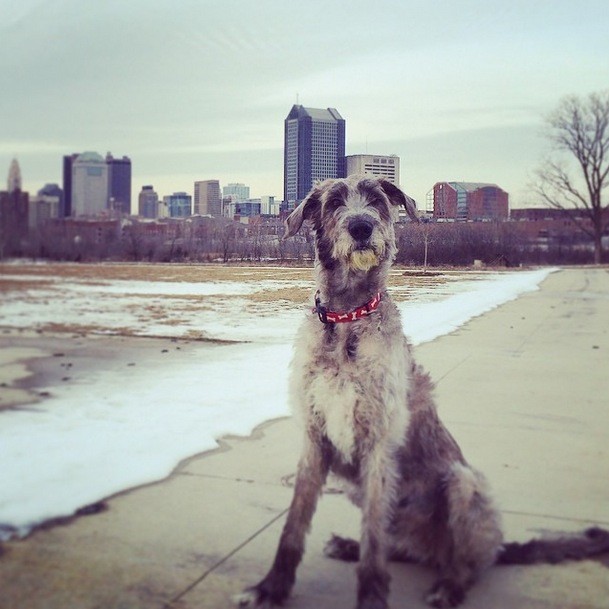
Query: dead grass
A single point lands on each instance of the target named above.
(35, 277)
(293, 295)
(155, 272)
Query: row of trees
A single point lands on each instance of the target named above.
(423, 244)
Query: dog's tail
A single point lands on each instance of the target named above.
(579, 546)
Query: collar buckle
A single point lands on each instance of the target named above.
(321, 311)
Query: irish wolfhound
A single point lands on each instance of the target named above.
(369, 417)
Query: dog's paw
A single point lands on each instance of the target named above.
(248, 598)
(342, 548)
(270, 592)
(445, 593)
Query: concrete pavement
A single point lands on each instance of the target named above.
(524, 389)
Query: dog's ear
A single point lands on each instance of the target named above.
(307, 210)
(397, 197)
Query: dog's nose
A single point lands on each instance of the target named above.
(360, 228)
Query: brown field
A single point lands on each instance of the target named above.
(43, 276)
(33, 289)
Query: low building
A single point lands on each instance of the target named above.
(473, 201)
(46, 205)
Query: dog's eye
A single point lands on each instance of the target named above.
(334, 204)
(379, 205)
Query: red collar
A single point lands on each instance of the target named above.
(334, 317)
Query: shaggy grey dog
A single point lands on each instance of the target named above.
(368, 414)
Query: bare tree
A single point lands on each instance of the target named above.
(579, 129)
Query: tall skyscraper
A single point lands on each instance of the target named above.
(119, 183)
(68, 161)
(14, 213)
(207, 200)
(89, 184)
(14, 177)
(375, 165)
(314, 149)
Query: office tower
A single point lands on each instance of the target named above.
(375, 165)
(314, 149)
(239, 192)
(68, 161)
(14, 213)
(89, 184)
(178, 204)
(14, 177)
(148, 203)
(207, 200)
(119, 183)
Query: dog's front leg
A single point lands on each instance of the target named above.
(378, 486)
(310, 477)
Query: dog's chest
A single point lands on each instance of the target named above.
(355, 388)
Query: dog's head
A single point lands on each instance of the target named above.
(353, 220)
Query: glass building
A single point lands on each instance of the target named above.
(314, 149)
(119, 183)
(179, 205)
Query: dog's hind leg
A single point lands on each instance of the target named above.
(472, 536)
(347, 550)
(310, 477)
(342, 548)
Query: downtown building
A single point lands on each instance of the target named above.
(177, 205)
(207, 199)
(119, 184)
(94, 185)
(237, 191)
(314, 150)
(148, 202)
(375, 166)
(14, 213)
(469, 201)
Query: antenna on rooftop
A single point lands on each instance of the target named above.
(297, 102)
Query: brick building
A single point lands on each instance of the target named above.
(469, 201)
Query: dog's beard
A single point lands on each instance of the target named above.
(363, 260)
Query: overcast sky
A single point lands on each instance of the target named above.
(199, 89)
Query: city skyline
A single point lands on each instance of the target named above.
(457, 90)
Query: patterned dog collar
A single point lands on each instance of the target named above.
(335, 317)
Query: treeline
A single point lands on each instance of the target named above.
(493, 243)
(433, 244)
